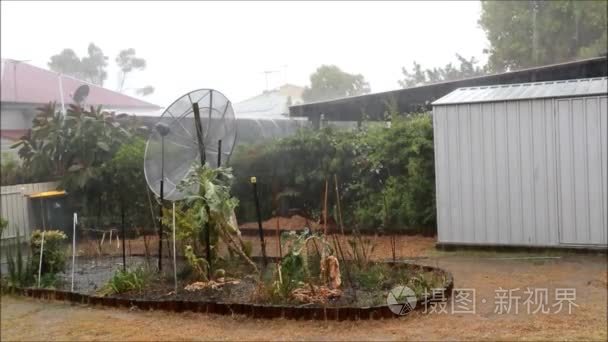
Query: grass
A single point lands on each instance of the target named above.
(125, 281)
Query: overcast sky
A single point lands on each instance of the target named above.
(228, 45)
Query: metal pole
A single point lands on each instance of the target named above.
(257, 209)
(160, 208)
(74, 248)
(219, 153)
(40, 262)
(201, 150)
(174, 256)
(124, 237)
(61, 94)
(199, 132)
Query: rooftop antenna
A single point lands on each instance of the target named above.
(268, 72)
(198, 127)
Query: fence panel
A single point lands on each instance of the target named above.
(15, 206)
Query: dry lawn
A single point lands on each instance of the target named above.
(28, 319)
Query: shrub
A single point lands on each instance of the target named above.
(54, 254)
(125, 281)
(386, 174)
(20, 270)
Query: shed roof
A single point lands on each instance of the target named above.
(523, 91)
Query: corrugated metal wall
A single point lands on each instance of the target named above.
(16, 209)
(527, 172)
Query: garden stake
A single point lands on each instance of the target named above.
(343, 261)
(124, 235)
(163, 130)
(279, 239)
(325, 209)
(219, 153)
(201, 151)
(73, 248)
(174, 256)
(257, 210)
(338, 204)
(40, 263)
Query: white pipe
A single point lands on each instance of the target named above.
(40, 263)
(74, 248)
(61, 94)
(174, 256)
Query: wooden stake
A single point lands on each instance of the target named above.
(338, 204)
(279, 236)
(325, 208)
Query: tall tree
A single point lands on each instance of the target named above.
(94, 65)
(329, 82)
(90, 68)
(529, 33)
(466, 68)
(128, 62)
(66, 62)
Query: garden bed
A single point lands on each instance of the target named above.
(361, 301)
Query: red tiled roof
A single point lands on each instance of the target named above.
(40, 86)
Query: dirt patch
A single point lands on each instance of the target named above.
(295, 222)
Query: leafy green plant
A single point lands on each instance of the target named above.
(77, 149)
(125, 281)
(208, 209)
(198, 265)
(296, 265)
(20, 270)
(54, 252)
(370, 278)
(3, 225)
(386, 174)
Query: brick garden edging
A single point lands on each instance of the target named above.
(250, 310)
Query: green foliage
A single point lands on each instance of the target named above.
(12, 172)
(372, 277)
(20, 271)
(209, 206)
(96, 156)
(329, 82)
(198, 265)
(467, 68)
(54, 251)
(3, 225)
(127, 184)
(128, 62)
(125, 281)
(528, 33)
(386, 175)
(296, 265)
(90, 68)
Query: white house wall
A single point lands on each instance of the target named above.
(498, 173)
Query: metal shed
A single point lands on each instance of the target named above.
(523, 164)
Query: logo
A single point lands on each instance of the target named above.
(401, 300)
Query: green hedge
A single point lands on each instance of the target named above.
(386, 174)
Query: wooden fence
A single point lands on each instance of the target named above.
(16, 208)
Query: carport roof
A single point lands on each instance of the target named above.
(522, 91)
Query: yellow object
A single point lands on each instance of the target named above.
(49, 194)
(253, 180)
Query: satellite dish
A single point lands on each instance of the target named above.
(173, 146)
(81, 94)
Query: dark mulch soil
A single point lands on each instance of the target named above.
(247, 290)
